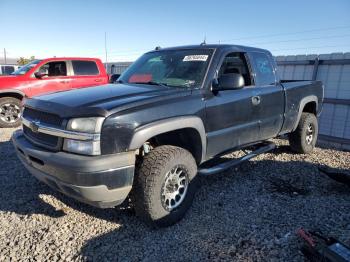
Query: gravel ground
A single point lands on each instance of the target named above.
(250, 213)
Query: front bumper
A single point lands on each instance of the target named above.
(102, 181)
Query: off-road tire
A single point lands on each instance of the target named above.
(298, 138)
(150, 179)
(12, 101)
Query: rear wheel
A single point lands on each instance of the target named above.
(303, 139)
(10, 112)
(165, 185)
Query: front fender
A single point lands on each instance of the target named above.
(144, 133)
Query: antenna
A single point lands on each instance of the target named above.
(5, 56)
(204, 40)
(106, 49)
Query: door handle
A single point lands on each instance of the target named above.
(256, 100)
(64, 82)
(98, 80)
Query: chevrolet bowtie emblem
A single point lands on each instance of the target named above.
(34, 125)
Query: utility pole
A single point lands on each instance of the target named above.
(106, 50)
(5, 56)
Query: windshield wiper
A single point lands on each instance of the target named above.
(151, 83)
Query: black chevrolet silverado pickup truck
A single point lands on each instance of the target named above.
(166, 120)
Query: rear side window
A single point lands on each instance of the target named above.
(7, 70)
(85, 68)
(265, 74)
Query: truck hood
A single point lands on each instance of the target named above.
(103, 100)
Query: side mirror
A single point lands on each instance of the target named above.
(228, 82)
(114, 78)
(39, 75)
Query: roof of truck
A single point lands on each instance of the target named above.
(239, 48)
(71, 58)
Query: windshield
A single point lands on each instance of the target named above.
(175, 68)
(24, 69)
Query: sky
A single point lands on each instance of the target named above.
(78, 28)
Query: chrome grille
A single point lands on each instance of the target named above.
(38, 138)
(41, 138)
(43, 117)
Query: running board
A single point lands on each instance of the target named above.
(268, 146)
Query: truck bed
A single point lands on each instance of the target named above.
(295, 91)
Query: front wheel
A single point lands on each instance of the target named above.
(303, 139)
(10, 112)
(165, 185)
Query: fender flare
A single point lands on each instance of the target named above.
(144, 133)
(303, 102)
(13, 91)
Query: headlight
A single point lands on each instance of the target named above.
(86, 125)
(82, 147)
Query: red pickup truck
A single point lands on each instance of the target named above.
(46, 76)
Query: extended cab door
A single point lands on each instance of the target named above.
(54, 78)
(269, 95)
(232, 118)
(86, 73)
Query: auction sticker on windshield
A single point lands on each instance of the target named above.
(195, 58)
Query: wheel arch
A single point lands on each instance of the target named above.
(12, 93)
(308, 104)
(187, 131)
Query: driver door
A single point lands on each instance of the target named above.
(232, 118)
(54, 78)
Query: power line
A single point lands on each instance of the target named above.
(301, 39)
(307, 47)
(293, 33)
(119, 53)
(136, 52)
(114, 54)
(270, 42)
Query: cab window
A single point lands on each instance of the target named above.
(236, 63)
(265, 74)
(51, 69)
(82, 68)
